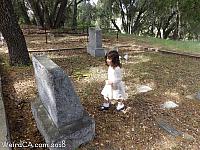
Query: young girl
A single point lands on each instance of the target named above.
(114, 87)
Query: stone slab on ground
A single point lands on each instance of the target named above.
(195, 55)
(168, 128)
(143, 88)
(195, 96)
(68, 137)
(172, 131)
(4, 132)
(169, 105)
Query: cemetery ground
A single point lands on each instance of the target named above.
(140, 126)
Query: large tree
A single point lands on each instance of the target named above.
(51, 13)
(13, 35)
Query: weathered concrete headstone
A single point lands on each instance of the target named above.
(59, 115)
(4, 130)
(1, 38)
(94, 47)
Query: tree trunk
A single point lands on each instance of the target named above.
(137, 22)
(168, 21)
(37, 10)
(115, 25)
(176, 33)
(60, 18)
(169, 30)
(125, 26)
(13, 35)
(158, 35)
(53, 13)
(75, 12)
(24, 12)
(74, 18)
(47, 21)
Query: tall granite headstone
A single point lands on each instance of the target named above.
(58, 112)
(1, 38)
(94, 47)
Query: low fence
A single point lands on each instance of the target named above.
(80, 31)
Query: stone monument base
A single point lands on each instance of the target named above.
(67, 137)
(96, 52)
(197, 96)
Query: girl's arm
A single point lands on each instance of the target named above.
(117, 76)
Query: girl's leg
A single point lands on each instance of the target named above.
(106, 102)
(120, 105)
(105, 105)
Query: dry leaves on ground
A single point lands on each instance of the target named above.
(171, 77)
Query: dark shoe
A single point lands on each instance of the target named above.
(102, 108)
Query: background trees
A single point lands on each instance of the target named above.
(175, 19)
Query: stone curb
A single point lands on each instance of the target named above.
(4, 131)
(194, 55)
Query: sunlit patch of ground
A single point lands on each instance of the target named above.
(54, 42)
(173, 96)
(25, 88)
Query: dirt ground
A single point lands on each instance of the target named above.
(171, 77)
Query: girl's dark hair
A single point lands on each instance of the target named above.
(114, 56)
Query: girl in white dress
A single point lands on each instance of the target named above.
(114, 87)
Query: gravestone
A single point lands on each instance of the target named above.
(168, 128)
(169, 105)
(143, 88)
(198, 96)
(59, 114)
(1, 38)
(94, 47)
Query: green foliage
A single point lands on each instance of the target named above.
(86, 15)
(177, 19)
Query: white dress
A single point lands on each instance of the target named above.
(117, 89)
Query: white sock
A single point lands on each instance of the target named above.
(120, 106)
(106, 104)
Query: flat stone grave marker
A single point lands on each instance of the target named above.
(172, 131)
(59, 114)
(168, 128)
(195, 96)
(169, 105)
(143, 88)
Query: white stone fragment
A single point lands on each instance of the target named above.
(143, 88)
(169, 104)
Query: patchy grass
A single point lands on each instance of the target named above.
(172, 78)
(184, 46)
